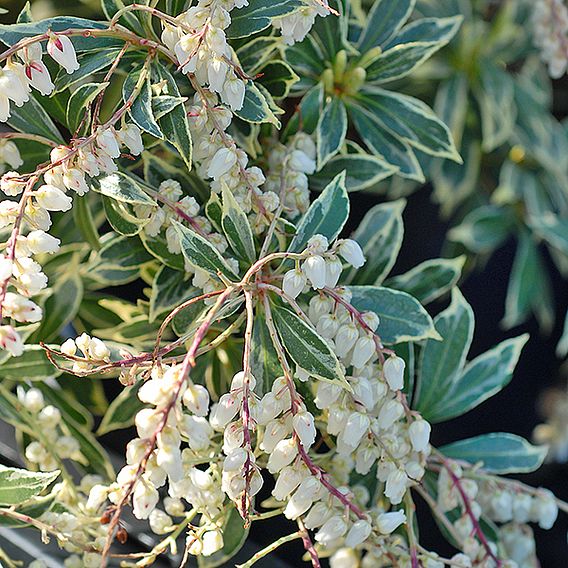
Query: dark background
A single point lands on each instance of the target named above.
(513, 410)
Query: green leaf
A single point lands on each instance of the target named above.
(429, 280)
(264, 359)
(89, 63)
(164, 104)
(307, 113)
(141, 110)
(528, 282)
(13, 33)
(402, 318)
(128, 19)
(174, 125)
(199, 252)
(32, 365)
(158, 247)
(484, 229)
(331, 130)
(122, 187)
(381, 142)
(121, 411)
(277, 78)
(122, 252)
(361, 171)
(256, 108)
(236, 227)
(234, 537)
(553, 229)
(441, 362)
(401, 60)
(25, 16)
(61, 306)
(384, 20)
(326, 216)
(306, 348)
(498, 452)
(330, 33)
(427, 29)
(496, 97)
(410, 120)
(31, 118)
(562, 347)
(20, 485)
(380, 235)
(258, 15)
(83, 217)
(79, 102)
(482, 378)
(169, 289)
(121, 218)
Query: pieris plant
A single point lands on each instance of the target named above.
(269, 364)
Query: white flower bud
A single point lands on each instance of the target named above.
(358, 533)
(144, 499)
(224, 411)
(545, 509)
(389, 522)
(282, 455)
(331, 530)
(49, 416)
(33, 400)
(363, 351)
(327, 394)
(302, 498)
(305, 429)
(212, 542)
(396, 486)
(288, 479)
(419, 433)
(393, 371)
(107, 142)
(346, 558)
(293, 283)
(333, 271)
(314, 269)
(62, 51)
(345, 339)
(223, 160)
(41, 242)
(356, 427)
(390, 412)
(196, 399)
(53, 199)
(11, 185)
(351, 252)
(522, 505)
(301, 162)
(131, 137)
(160, 522)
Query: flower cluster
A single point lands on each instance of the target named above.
(550, 28)
(57, 441)
(174, 437)
(296, 26)
(201, 48)
(511, 505)
(67, 171)
(17, 78)
(289, 167)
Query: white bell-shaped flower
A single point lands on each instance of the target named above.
(389, 522)
(61, 50)
(393, 371)
(358, 533)
(293, 283)
(351, 252)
